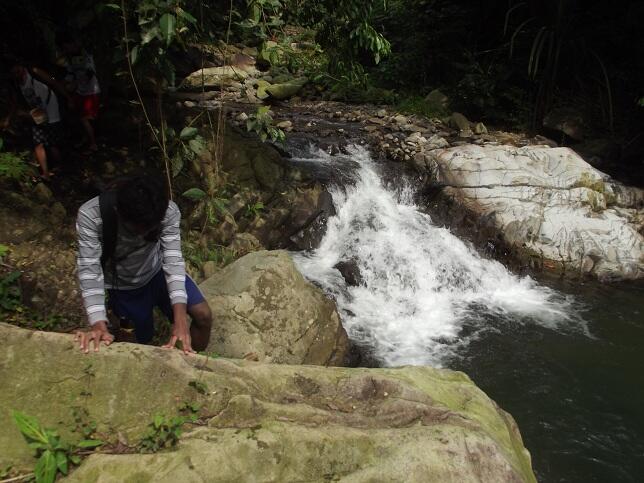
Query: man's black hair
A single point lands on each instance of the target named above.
(142, 200)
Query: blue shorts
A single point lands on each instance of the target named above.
(137, 305)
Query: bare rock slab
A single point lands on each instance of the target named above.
(260, 422)
(263, 305)
(550, 202)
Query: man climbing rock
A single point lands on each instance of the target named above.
(129, 242)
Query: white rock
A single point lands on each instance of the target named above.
(552, 202)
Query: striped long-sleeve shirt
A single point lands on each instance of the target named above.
(139, 260)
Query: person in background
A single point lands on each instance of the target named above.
(43, 110)
(129, 243)
(82, 83)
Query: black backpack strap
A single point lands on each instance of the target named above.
(107, 205)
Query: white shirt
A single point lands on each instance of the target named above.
(37, 94)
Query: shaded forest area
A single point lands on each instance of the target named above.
(569, 69)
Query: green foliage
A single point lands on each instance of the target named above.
(184, 148)
(211, 354)
(196, 254)
(49, 322)
(194, 194)
(83, 425)
(253, 209)
(418, 105)
(486, 91)
(163, 433)
(14, 166)
(345, 30)
(10, 293)
(157, 28)
(198, 386)
(54, 455)
(191, 409)
(264, 18)
(261, 122)
(350, 89)
(549, 42)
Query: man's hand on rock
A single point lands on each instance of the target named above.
(97, 334)
(180, 332)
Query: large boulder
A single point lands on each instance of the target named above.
(214, 77)
(547, 203)
(257, 422)
(263, 306)
(297, 220)
(252, 163)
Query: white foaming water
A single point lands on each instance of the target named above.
(421, 284)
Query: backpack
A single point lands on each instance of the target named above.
(107, 206)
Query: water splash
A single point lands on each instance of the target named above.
(423, 289)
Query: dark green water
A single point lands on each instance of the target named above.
(578, 400)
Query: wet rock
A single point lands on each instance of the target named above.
(350, 271)
(307, 221)
(381, 113)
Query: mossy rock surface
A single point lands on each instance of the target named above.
(262, 304)
(263, 422)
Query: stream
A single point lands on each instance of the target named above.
(564, 359)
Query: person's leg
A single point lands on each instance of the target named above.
(201, 325)
(89, 132)
(55, 153)
(135, 306)
(201, 315)
(41, 156)
(198, 309)
(89, 111)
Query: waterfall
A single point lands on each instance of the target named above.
(424, 293)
